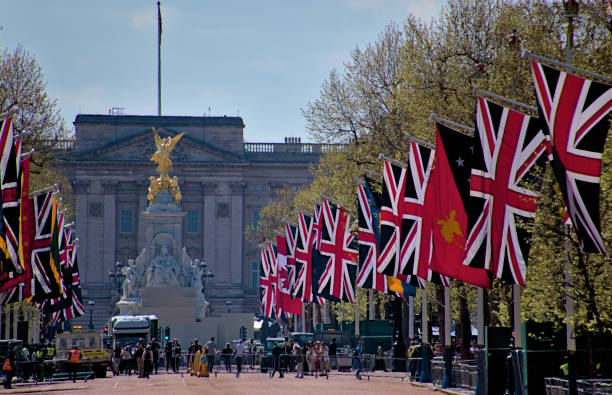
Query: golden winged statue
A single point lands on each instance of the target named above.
(164, 165)
(162, 155)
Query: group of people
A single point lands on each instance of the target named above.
(313, 357)
(142, 358)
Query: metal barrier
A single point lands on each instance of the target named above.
(560, 386)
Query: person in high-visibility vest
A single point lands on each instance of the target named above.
(9, 369)
(74, 358)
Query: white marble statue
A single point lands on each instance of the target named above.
(163, 271)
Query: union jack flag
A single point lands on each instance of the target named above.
(337, 244)
(391, 209)
(369, 238)
(268, 282)
(10, 174)
(417, 218)
(46, 281)
(577, 113)
(303, 258)
(285, 277)
(70, 305)
(507, 145)
(21, 282)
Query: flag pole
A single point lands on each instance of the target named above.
(411, 317)
(370, 304)
(447, 380)
(571, 12)
(159, 33)
(480, 316)
(425, 371)
(453, 125)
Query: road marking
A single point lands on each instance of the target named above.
(116, 384)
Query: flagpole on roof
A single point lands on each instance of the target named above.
(159, 34)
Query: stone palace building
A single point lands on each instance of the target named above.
(224, 182)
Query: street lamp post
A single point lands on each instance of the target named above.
(91, 304)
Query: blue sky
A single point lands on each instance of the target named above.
(262, 60)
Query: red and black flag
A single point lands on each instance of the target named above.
(577, 113)
(509, 147)
(447, 199)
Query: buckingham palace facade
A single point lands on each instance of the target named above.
(224, 183)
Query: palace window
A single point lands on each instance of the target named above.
(193, 221)
(255, 219)
(255, 276)
(126, 221)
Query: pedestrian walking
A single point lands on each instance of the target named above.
(74, 358)
(226, 355)
(176, 355)
(139, 354)
(333, 350)
(357, 354)
(212, 350)
(155, 349)
(148, 362)
(126, 356)
(239, 352)
(168, 356)
(299, 361)
(117, 351)
(379, 364)
(311, 359)
(277, 351)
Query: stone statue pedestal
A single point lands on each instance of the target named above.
(129, 307)
(176, 305)
(162, 224)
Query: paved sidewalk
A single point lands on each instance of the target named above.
(247, 384)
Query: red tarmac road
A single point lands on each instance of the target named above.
(247, 384)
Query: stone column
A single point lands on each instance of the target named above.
(80, 189)
(209, 231)
(236, 269)
(110, 226)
